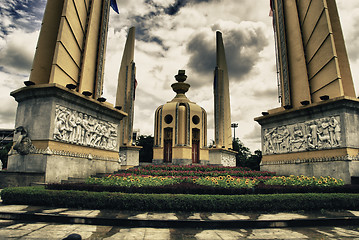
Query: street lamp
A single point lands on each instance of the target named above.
(234, 126)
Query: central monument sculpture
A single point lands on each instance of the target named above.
(180, 129)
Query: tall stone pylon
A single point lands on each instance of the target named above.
(313, 132)
(222, 109)
(126, 89)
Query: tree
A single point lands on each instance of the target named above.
(4, 149)
(146, 142)
(244, 158)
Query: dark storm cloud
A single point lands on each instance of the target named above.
(14, 57)
(154, 19)
(145, 23)
(203, 54)
(242, 48)
(21, 14)
(176, 7)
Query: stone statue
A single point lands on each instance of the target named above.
(23, 144)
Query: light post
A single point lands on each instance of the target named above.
(234, 126)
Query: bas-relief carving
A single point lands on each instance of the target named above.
(79, 128)
(228, 160)
(323, 133)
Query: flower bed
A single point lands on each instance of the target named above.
(304, 181)
(196, 171)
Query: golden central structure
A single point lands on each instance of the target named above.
(315, 132)
(180, 129)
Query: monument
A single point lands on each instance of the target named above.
(64, 127)
(315, 131)
(125, 97)
(222, 152)
(180, 129)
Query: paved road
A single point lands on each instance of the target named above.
(36, 222)
(27, 230)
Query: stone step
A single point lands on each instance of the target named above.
(33, 184)
(74, 180)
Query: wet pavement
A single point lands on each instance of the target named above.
(36, 222)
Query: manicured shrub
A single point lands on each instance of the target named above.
(194, 188)
(179, 202)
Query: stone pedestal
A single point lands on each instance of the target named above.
(224, 157)
(62, 134)
(320, 139)
(130, 156)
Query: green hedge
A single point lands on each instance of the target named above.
(179, 202)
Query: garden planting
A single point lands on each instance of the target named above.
(194, 188)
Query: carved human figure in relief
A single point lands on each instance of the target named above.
(297, 139)
(72, 125)
(269, 140)
(313, 135)
(324, 136)
(334, 129)
(285, 137)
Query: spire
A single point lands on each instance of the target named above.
(126, 88)
(221, 56)
(222, 109)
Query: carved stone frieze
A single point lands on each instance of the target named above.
(229, 160)
(79, 128)
(322, 133)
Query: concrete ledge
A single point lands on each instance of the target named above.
(17, 179)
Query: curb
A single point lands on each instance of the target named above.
(203, 224)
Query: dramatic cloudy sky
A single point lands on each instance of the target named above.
(173, 35)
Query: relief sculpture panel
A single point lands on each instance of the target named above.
(79, 128)
(322, 133)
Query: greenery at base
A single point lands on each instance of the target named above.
(4, 149)
(146, 142)
(244, 158)
(179, 202)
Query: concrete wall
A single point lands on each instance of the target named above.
(17, 179)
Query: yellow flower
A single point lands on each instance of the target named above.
(232, 179)
(228, 176)
(132, 180)
(220, 178)
(319, 182)
(124, 179)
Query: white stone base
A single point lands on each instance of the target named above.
(226, 158)
(58, 167)
(338, 168)
(130, 156)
